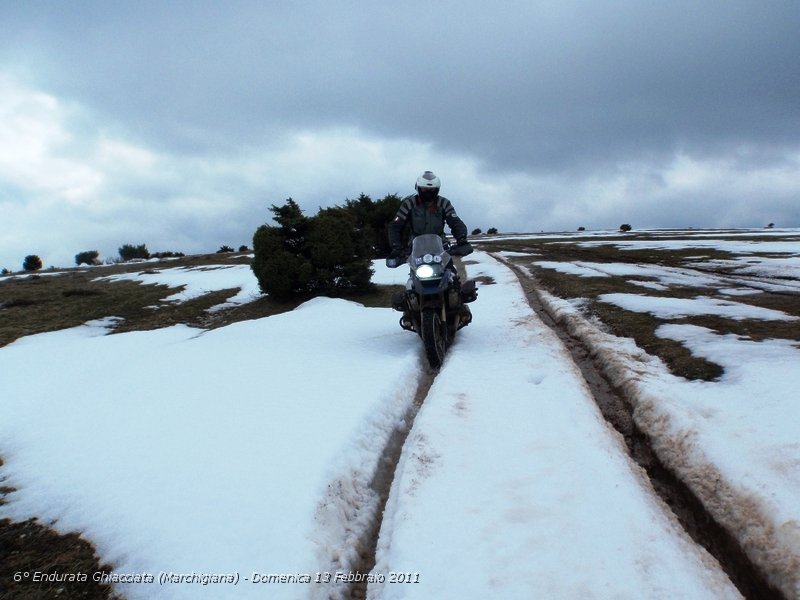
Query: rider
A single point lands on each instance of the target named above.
(427, 212)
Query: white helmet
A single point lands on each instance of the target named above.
(428, 183)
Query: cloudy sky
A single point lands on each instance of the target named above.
(177, 124)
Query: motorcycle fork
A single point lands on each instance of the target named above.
(427, 302)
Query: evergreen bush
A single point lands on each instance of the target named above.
(130, 252)
(89, 257)
(306, 256)
(31, 263)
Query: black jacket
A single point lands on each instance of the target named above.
(425, 217)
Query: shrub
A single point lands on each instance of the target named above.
(5, 272)
(223, 249)
(167, 254)
(477, 231)
(625, 227)
(89, 257)
(278, 264)
(130, 252)
(491, 231)
(340, 252)
(243, 248)
(372, 220)
(302, 256)
(32, 263)
(581, 228)
(383, 214)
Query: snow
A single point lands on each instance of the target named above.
(512, 486)
(250, 448)
(734, 442)
(195, 282)
(666, 307)
(773, 273)
(183, 451)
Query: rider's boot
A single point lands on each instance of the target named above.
(399, 301)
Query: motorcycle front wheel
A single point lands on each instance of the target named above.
(433, 337)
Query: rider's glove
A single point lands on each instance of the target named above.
(462, 247)
(396, 252)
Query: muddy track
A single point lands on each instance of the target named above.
(690, 512)
(382, 482)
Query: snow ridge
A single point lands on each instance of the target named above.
(771, 544)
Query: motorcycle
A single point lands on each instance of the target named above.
(433, 303)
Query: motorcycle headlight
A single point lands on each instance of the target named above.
(425, 271)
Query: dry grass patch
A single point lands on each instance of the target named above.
(49, 302)
(642, 328)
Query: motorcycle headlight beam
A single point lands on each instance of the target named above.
(425, 271)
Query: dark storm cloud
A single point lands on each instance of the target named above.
(533, 86)
(166, 116)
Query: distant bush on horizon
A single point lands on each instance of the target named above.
(88, 257)
(31, 263)
(130, 252)
(167, 255)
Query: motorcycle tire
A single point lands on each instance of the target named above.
(434, 337)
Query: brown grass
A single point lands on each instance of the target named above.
(48, 302)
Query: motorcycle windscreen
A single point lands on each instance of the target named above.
(428, 243)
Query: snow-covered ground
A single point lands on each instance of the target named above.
(194, 282)
(735, 442)
(248, 451)
(511, 484)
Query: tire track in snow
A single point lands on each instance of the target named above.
(689, 510)
(384, 476)
(382, 482)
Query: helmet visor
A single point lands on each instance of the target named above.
(428, 193)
